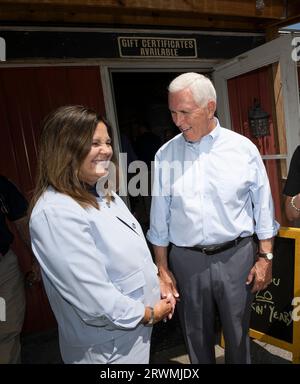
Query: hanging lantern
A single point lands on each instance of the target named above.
(259, 5)
(258, 120)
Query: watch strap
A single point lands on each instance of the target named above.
(151, 319)
(266, 255)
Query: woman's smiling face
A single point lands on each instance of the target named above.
(96, 163)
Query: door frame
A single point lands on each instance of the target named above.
(278, 50)
(135, 65)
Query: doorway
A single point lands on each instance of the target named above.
(145, 123)
(142, 97)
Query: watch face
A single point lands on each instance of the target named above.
(269, 256)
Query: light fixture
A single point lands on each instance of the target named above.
(259, 5)
(258, 120)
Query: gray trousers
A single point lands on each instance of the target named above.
(13, 293)
(211, 284)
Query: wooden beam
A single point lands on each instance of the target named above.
(279, 128)
(292, 16)
(128, 18)
(293, 8)
(273, 27)
(274, 9)
(279, 112)
(271, 33)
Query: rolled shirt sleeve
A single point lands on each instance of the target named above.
(265, 225)
(158, 233)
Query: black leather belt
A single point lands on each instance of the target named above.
(213, 249)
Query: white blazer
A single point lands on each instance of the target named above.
(96, 266)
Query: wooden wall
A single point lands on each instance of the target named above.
(242, 91)
(27, 95)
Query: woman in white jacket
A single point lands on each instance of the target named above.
(96, 267)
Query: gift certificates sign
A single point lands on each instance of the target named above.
(160, 47)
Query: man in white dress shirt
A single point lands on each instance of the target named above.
(208, 208)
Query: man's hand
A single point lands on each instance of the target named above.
(167, 280)
(261, 274)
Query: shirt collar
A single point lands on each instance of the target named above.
(216, 131)
(211, 136)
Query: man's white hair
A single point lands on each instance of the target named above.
(201, 87)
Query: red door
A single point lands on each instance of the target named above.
(27, 95)
(242, 90)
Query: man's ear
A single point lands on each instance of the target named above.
(211, 108)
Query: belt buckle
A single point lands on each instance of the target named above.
(237, 241)
(209, 251)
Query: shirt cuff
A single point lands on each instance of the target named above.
(263, 235)
(155, 240)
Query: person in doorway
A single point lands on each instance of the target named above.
(12, 294)
(146, 144)
(292, 188)
(97, 269)
(211, 194)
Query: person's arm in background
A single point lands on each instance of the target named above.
(292, 188)
(23, 230)
(292, 207)
(22, 226)
(17, 214)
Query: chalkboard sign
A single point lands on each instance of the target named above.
(272, 309)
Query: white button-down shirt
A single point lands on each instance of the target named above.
(218, 189)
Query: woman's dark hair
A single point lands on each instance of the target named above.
(65, 142)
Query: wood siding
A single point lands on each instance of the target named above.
(27, 95)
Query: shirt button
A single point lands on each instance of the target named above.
(133, 226)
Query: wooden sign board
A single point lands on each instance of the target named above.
(157, 47)
(274, 318)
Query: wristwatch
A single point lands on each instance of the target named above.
(151, 320)
(268, 255)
